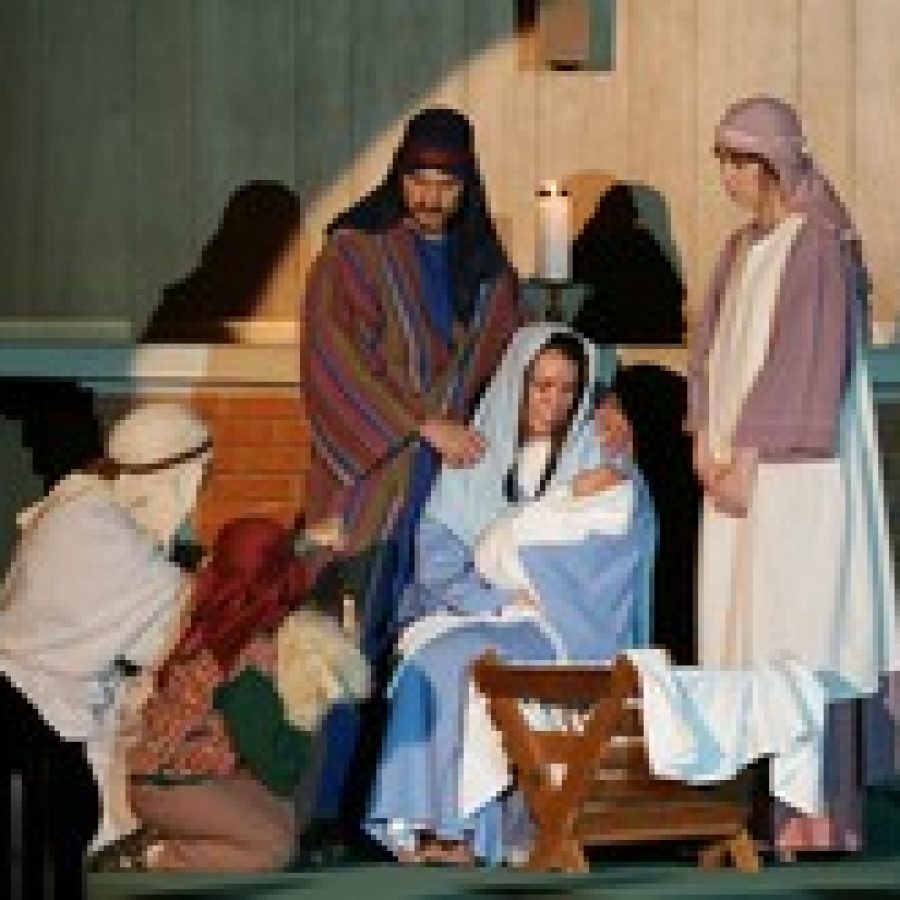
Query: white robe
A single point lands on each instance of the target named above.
(85, 587)
(807, 572)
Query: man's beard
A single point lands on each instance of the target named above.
(435, 221)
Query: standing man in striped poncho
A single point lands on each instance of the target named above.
(408, 310)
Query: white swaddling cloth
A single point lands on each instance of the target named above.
(704, 725)
(557, 518)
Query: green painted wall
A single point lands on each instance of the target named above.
(126, 125)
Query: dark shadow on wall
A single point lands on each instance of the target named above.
(655, 400)
(59, 425)
(626, 257)
(60, 432)
(297, 91)
(257, 225)
(47, 428)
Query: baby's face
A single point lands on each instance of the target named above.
(612, 427)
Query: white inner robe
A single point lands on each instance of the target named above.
(807, 572)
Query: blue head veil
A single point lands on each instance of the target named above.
(466, 500)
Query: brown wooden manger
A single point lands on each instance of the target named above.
(606, 794)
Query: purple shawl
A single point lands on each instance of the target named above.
(792, 410)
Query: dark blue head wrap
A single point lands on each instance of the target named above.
(439, 138)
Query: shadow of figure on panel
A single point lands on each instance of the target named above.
(59, 425)
(625, 257)
(655, 401)
(228, 285)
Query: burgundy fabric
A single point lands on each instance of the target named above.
(435, 158)
(251, 582)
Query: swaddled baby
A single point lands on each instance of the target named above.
(598, 500)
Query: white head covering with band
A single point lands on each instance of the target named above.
(155, 459)
(159, 453)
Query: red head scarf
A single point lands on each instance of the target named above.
(251, 582)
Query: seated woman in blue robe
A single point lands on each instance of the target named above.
(542, 551)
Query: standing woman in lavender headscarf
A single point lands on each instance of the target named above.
(794, 557)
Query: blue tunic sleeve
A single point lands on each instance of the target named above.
(444, 578)
(596, 592)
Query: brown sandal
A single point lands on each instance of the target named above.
(127, 854)
(447, 853)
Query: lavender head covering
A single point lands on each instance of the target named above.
(771, 128)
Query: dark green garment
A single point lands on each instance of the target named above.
(269, 747)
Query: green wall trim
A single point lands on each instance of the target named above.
(245, 365)
(152, 364)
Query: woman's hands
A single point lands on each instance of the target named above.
(524, 599)
(459, 445)
(593, 481)
(728, 483)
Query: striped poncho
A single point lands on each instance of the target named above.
(376, 367)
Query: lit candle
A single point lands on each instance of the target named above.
(554, 245)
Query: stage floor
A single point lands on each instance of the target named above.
(663, 871)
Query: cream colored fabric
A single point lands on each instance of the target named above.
(807, 571)
(64, 491)
(744, 328)
(317, 665)
(159, 501)
(86, 587)
(155, 431)
(90, 582)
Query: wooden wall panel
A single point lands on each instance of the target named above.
(582, 131)
(85, 234)
(246, 100)
(828, 87)
(127, 125)
(324, 139)
(323, 144)
(166, 230)
(662, 130)
(742, 49)
(876, 142)
(21, 34)
(502, 103)
(406, 54)
(582, 127)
